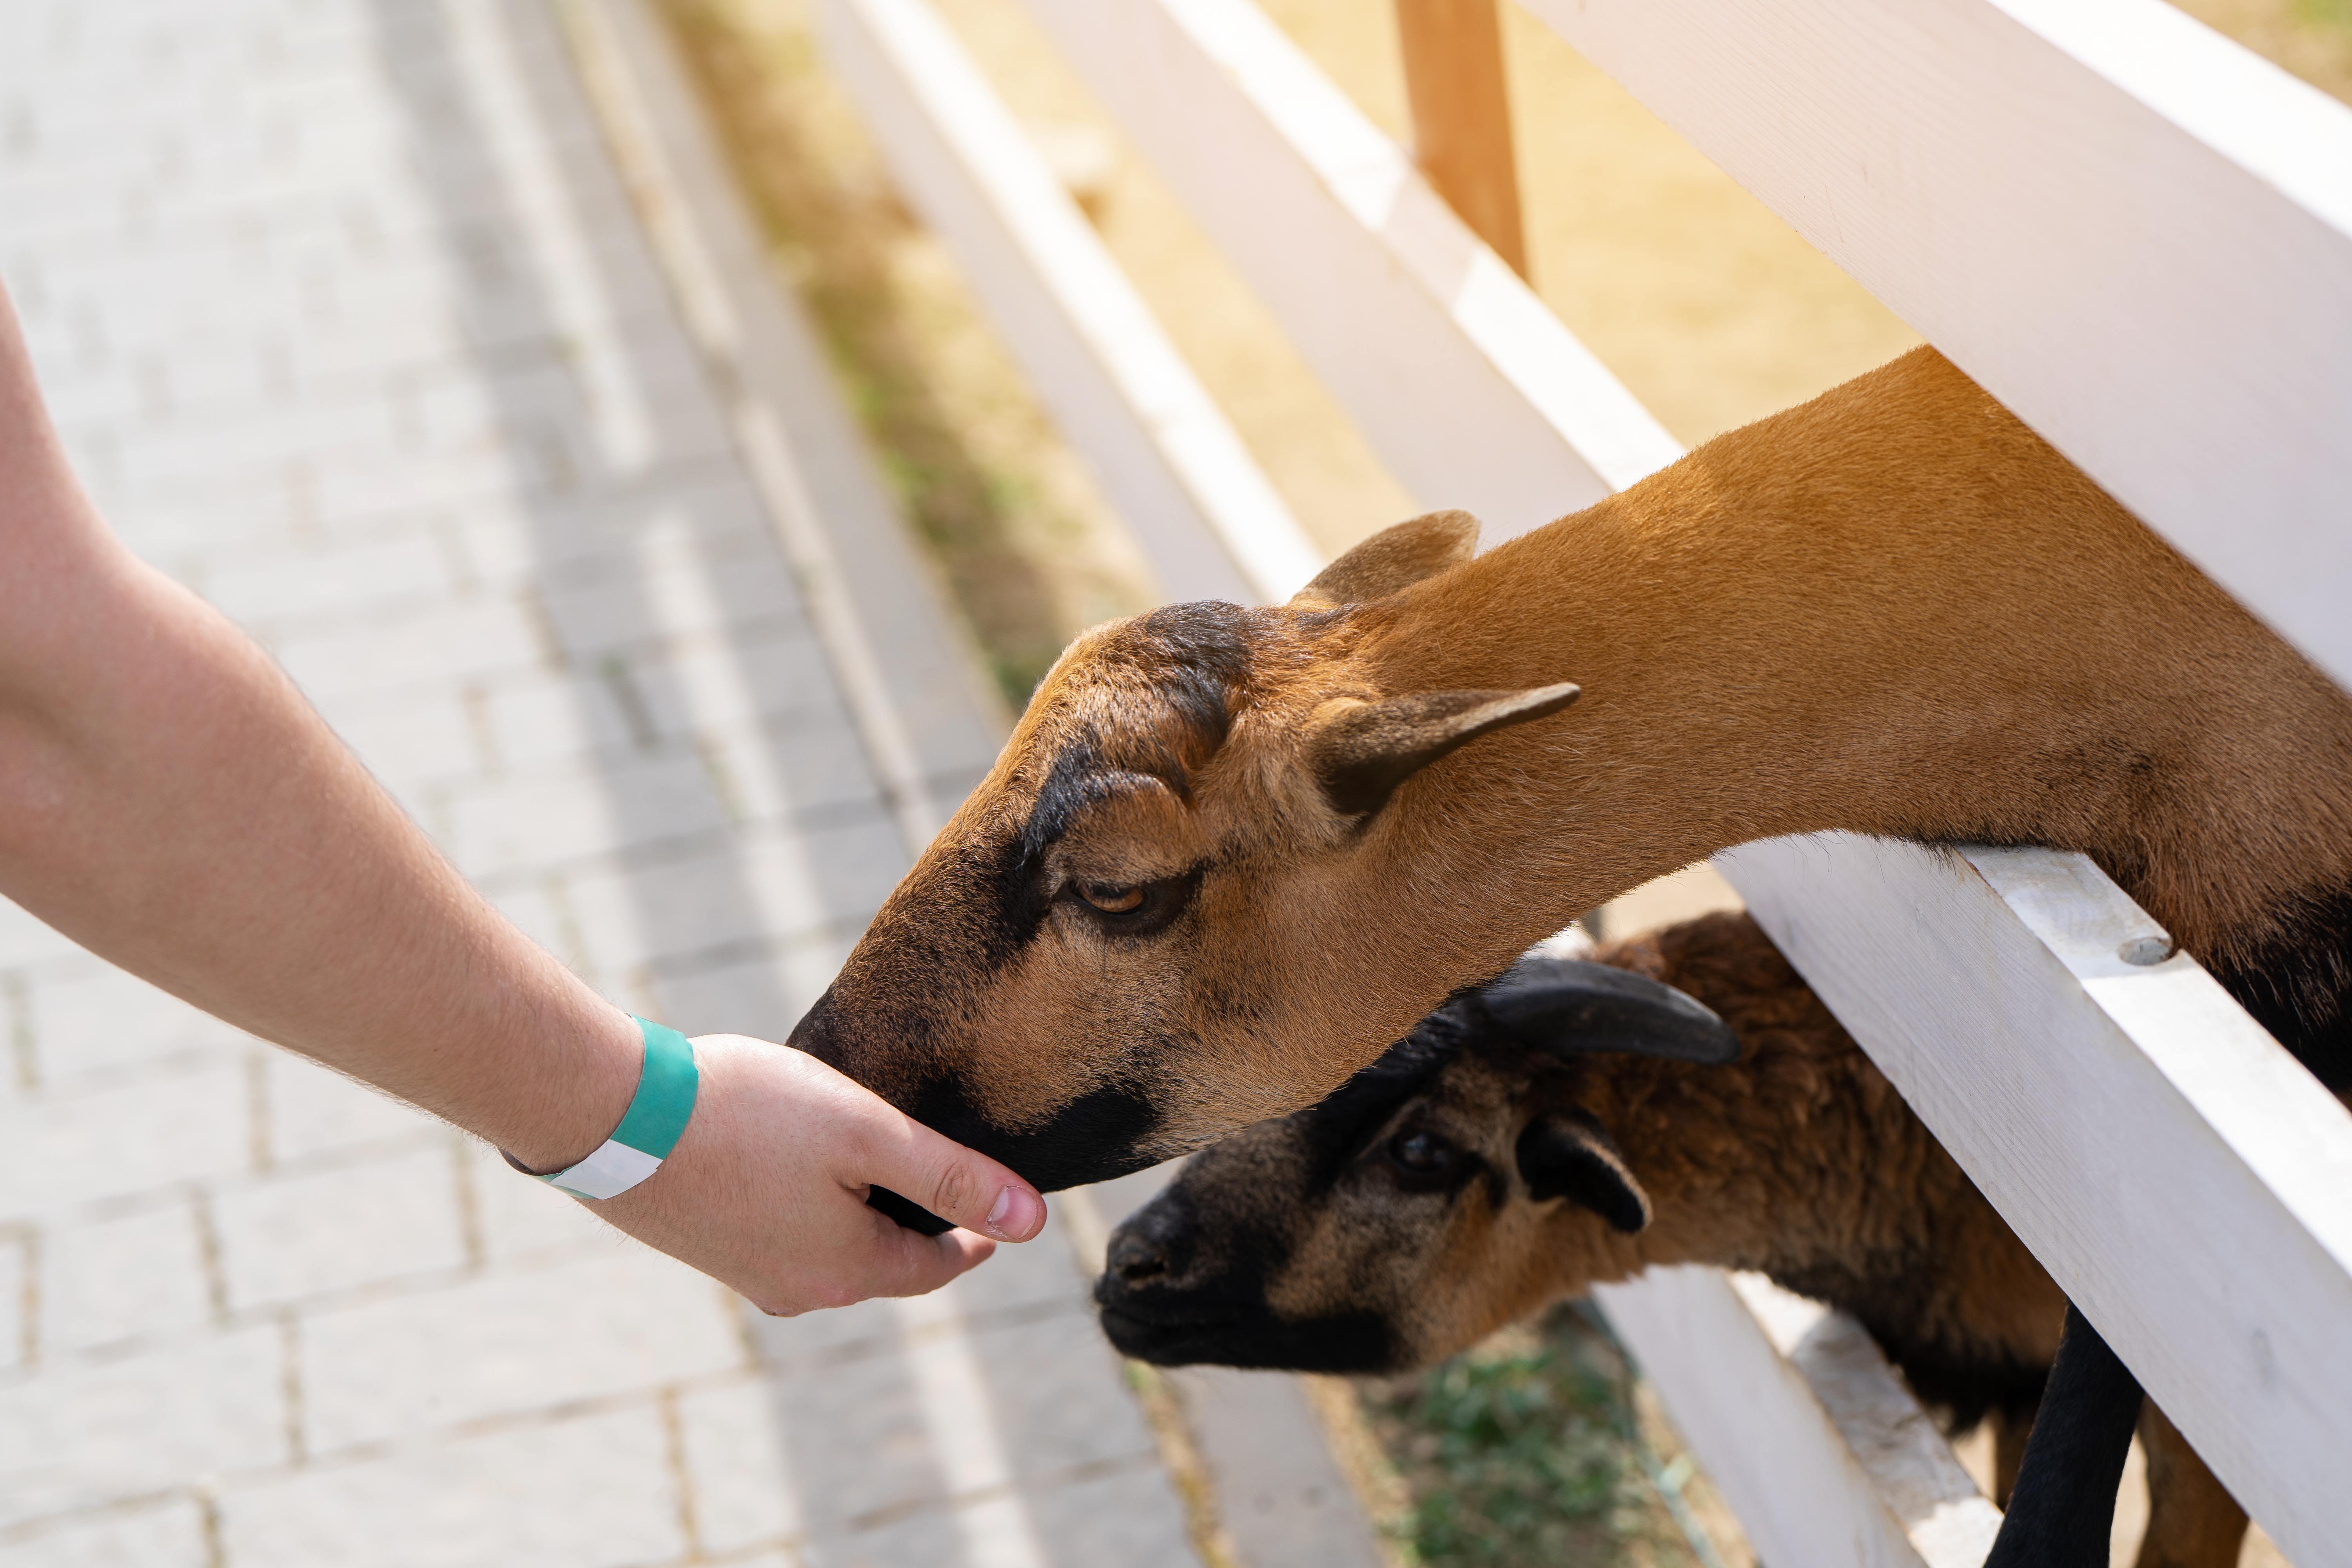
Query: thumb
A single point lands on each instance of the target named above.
(959, 1187)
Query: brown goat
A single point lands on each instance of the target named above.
(1221, 863)
(1419, 1209)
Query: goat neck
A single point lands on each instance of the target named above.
(1893, 610)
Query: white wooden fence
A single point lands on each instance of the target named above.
(2134, 233)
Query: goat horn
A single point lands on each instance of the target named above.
(1565, 1004)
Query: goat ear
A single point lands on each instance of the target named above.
(1565, 1004)
(1393, 559)
(1564, 1157)
(1360, 752)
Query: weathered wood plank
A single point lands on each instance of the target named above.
(1948, 1521)
(1211, 523)
(2131, 231)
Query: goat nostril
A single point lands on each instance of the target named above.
(1135, 1258)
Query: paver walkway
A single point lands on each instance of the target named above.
(352, 327)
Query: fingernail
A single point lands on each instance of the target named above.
(1017, 1212)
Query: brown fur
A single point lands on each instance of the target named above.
(1799, 1161)
(1893, 610)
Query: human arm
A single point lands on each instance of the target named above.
(169, 800)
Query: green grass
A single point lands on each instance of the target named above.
(1529, 1450)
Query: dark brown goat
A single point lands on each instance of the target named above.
(1414, 1212)
(1229, 854)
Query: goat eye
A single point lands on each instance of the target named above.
(1420, 1153)
(1111, 899)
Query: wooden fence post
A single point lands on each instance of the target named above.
(1462, 115)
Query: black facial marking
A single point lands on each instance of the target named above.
(1018, 881)
(1078, 778)
(913, 1215)
(1201, 656)
(1422, 1160)
(1344, 1342)
(1336, 1128)
(1164, 1299)
(1092, 1139)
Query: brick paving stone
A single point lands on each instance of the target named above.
(15, 1281)
(619, 1319)
(310, 1110)
(360, 1224)
(593, 1491)
(454, 641)
(683, 587)
(1131, 1517)
(90, 1433)
(772, 679)
(929, 1536)
(1056, 1397)
(27, 940)
(173, 1123)
(628, 915)
(548, 814)
(122, 1277)
(790, 1346)
(732, 1465)
(533, 719)
(763, 996)
(265, 588)
(168, 1534)
(103, 1018)
(854, 1444)
(783, 884)
(413, 746)
(773, 767)
(1021, 1282)
(518, 1218)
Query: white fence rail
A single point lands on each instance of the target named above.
(2132, 232)
(1472, 392)
(2180, 1176)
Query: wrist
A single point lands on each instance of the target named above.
(657, 1118)
(582, 1088)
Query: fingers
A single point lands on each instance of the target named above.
(958, 1185)
(939, 1258)
(766, 1192)
(900, 1262)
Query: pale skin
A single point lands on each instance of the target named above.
(169, 801)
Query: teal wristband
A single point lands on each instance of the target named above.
(649, 1129)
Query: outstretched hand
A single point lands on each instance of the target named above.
(766, 1191)
(169, 800)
